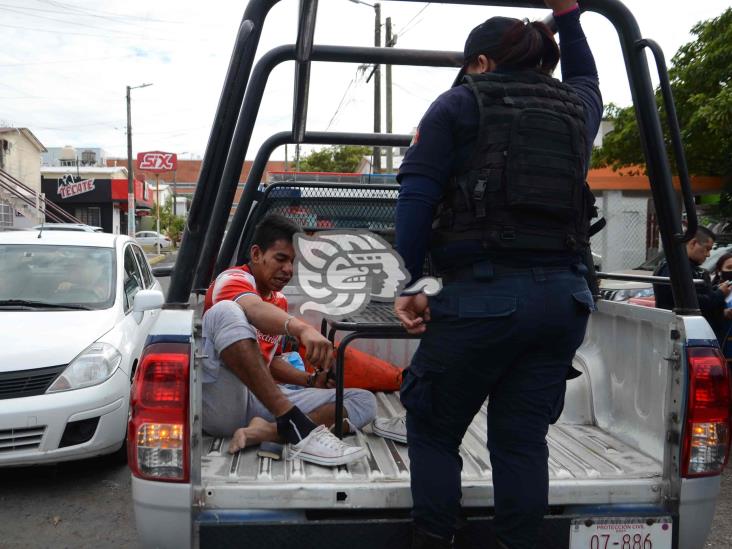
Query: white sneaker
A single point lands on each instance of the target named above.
(324, 448)
(394, 428)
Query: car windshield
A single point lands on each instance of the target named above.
(34, 276)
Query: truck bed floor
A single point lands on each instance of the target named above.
(586, 466)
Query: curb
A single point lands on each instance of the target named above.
(156, 259)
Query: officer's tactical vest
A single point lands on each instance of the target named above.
(524, 187)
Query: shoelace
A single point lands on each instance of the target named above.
(324, 436)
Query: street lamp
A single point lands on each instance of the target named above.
(377, 80)
(130, 172)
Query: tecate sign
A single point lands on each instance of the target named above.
(157, 161)
(67, 187)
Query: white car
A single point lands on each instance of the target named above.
(69, 227)
(75, 311)
(151, 238)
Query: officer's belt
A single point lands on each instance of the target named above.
(484, 271)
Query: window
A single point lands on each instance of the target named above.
(88, 158)
(91, 215)
(6, 214)
(144, 267)
(132, 278)
(68, 162)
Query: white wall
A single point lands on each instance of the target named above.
(22, 160)
(622, 243)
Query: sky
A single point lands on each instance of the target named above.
(64, 65)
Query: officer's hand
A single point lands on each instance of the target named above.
(413, 311)
(728, 314)
(559, 6)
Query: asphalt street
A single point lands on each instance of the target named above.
(87, 504)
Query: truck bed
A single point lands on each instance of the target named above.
(586, 466)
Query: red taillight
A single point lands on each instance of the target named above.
(158, 431)
(707, 429)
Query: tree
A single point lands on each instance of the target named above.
(169, 224)
(338, 158)
(701, 80)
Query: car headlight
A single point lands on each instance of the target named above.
(93, 366)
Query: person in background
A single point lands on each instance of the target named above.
(723, 273)
(711, 300)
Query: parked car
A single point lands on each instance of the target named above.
(69, 227)
(73, 331)
(151, 238)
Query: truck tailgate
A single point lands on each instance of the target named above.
(586, 466)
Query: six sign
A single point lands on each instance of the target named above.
(157, 161)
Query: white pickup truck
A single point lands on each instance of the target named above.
(635, 459)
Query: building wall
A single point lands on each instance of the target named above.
(21, 159)
(622, 243)
(53, 156)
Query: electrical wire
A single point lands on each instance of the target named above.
(75, 33)
(74, 23)
(406, 28)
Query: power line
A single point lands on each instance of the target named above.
(64, 61)
(354, 80)
(106, 14)
(76, 33)
(73, 23)
(406, 28)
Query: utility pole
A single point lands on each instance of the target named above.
(377, 87)
(390, 43)
(130, 175)
(130, 170)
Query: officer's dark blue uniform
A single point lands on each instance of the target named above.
(505, 326)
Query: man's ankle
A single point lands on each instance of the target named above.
(294, 425)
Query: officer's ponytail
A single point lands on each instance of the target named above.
(528, 46)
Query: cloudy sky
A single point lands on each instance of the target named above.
(64, 65)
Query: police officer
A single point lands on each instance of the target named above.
(493, 186)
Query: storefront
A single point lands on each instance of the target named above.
(96, 196)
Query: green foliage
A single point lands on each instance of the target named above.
(170, 225)
(339, 158)
(701, 79)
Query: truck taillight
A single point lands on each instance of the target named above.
(158, 431)
(707, 429)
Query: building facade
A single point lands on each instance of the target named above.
(95, 195)
(20, 159)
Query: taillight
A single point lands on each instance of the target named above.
(707, 429)
(158, 432)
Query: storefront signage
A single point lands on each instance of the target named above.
(157, 161)
(67, 187)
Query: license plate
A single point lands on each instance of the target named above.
(621, 533)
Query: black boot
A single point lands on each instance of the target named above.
(422, 539)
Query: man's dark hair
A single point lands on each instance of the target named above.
(705, 235)
(273, 228)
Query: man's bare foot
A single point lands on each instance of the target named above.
(258, 430)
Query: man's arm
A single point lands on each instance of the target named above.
(284, 372)
(272, 320)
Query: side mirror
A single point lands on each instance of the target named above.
(163, 271)
(147, 300)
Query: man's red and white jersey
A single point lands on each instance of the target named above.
(236, 282)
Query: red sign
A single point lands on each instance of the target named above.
(157, 161)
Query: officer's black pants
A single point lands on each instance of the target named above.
(510, 338)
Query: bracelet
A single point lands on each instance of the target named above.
(287, 323)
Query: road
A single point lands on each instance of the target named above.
(87, 504)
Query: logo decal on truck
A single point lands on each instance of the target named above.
(341, 272)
